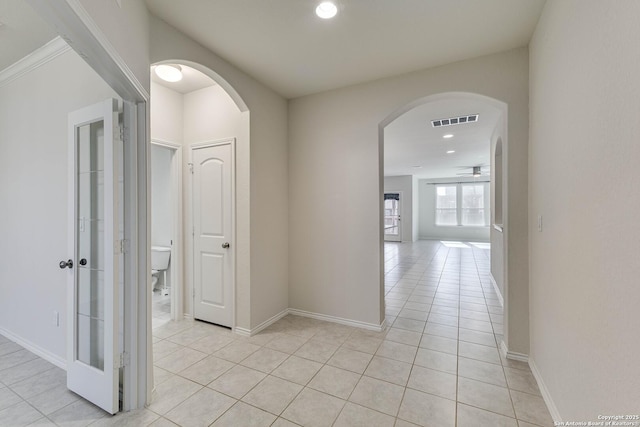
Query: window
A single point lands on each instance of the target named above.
(473, 205)
(446, 205)
(462, 204)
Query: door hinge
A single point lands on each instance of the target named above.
(121, 132)
(121, 246)
(123, 360)
(193, 231)
(190, 167)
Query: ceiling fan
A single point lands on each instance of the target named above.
(476, 171)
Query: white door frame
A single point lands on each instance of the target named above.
(190, 224)
(177, 249)
(75, 24)
(400, 207)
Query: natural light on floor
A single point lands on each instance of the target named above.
(454, 244)
(481, 245)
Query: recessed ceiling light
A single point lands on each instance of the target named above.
(169, 73)
(416, 167)
(326, 10)
(447, 136)
(451, 151)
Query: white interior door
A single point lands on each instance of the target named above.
(95, 277)
(392, 216)
(212, 232)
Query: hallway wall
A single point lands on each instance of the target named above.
(335, 261)
(34, 196)
(583, 157)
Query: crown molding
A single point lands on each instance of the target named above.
(35, 59)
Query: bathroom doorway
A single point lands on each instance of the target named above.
(166, 235)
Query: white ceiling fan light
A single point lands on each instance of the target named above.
(326, 10)
(169, 72)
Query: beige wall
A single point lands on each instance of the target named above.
(497, 237)
(34, 197)
(261, 179)
(334, 184)
(584, 151)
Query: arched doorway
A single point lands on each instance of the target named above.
(201, 112)
(457, 106)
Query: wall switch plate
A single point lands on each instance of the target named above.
(540, 223)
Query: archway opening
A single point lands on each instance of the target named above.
(199, 113)
(442, 147)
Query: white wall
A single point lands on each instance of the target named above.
(584, 151)
(166, 111)
(261, 179)
(427, 217)
(335, 256)
(161, 209)
(125, 24)
(408, 213)
(33, 194)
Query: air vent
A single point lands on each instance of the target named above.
(471, 118)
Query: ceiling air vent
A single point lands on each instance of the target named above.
(471, 118)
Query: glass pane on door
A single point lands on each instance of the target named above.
(391, 214)
(90, 245)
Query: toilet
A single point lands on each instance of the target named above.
(160, 256)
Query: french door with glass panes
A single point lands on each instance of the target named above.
(392, 216)
(95, 246)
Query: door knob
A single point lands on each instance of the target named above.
(65, 264)
(83, 261)
(225, 245)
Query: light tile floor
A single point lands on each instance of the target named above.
(437, 364)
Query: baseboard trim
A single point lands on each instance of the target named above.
(340, 320)
(253, 331)
(188, 316)
(520, 357)
(553, 409)
(242, 331)
(36, 349)
(497, 289)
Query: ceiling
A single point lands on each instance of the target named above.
(283, 44)
(410, 140)
(21, 31)
(192, 80)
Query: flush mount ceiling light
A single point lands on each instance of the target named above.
(326, 10)
(169, 73)
(447, 136)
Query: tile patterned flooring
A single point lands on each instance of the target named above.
(437, 364)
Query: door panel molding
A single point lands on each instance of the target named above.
(231, 251)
